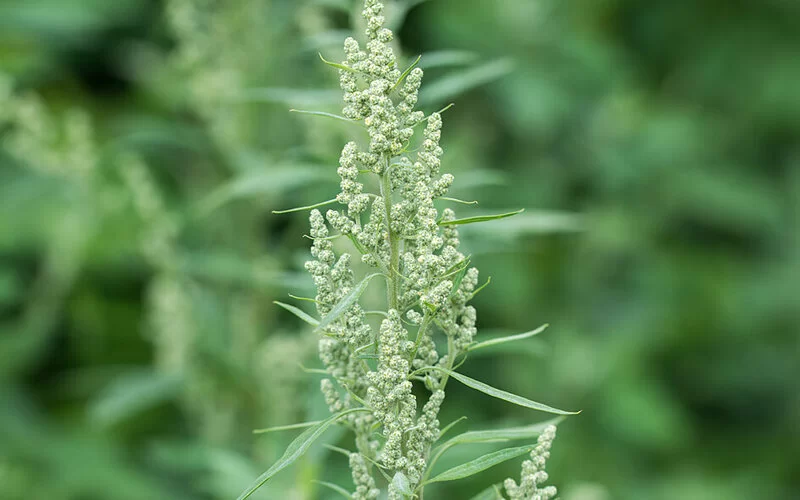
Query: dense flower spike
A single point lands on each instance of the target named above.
(398, 232)
(533, 474)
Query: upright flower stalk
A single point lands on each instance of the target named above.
(428, 326)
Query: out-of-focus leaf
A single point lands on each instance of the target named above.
(324, 114)
(292, 97)
(295, 450)
(455, 84)
(132, 393)
(263, 183)
(525, 432)
(335, 487)
(400, 481)
(480, 464)
(442, 58)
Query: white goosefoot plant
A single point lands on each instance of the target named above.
(375, 379)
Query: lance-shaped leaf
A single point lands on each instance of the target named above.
(479, 218)
(459, 82)
(405, 73)
(480, 464)
(510, 338)
(524, 432)
(345, 303)
(298, 312)
(286, 427)
(323, 113)
(307, 207)
(337, 65)
(501, 394)
(296, 449)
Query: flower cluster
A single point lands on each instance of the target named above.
(533, 474)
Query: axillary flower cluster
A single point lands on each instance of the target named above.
(378, 374)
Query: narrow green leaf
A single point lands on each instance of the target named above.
(459, 82)
(405, 73)
(323, 113)
(296, 449)
(345, 303)
(307, 207)
(450, 426)
(480, 464)
(298, 312)
(501, 394)
(337, 65)
(525, 432)
(262, 183)
(456, 200)
(510, 338)
(480, 218)
(478, 290)
(132, 393)
(286, 427)
(335, 487)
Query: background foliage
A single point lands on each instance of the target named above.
(653, 144)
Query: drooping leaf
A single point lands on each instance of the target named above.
(480, 218)
(345, 302)
(455, 84)
(298, 312)
(501, 394)
(296, 449)
(286, 427)
(131, 394)
(480, 464)
(510, 338)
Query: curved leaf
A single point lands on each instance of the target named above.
(296, 449)
(286, 427)
(307, 207)
(490, 493)
(525, 432)
(459, 82)
(510, 338)
(501, 394)
(480, 464)
(336, 488)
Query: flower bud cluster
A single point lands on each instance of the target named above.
(365, 484)
(533, 473)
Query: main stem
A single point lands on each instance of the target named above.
(394, 242)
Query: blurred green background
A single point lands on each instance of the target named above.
(654, 144)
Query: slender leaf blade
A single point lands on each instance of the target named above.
(336, 488)
(459, 82)
(510, 338)
(286, 427)
(298, 312)
(510, 433)
(295, 450)
(480, 464)
(480, 218)
(307, 207)
(490, 493)
(501, 394)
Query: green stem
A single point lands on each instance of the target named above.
(394, 241)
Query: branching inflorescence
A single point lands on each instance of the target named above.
(428, 326)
